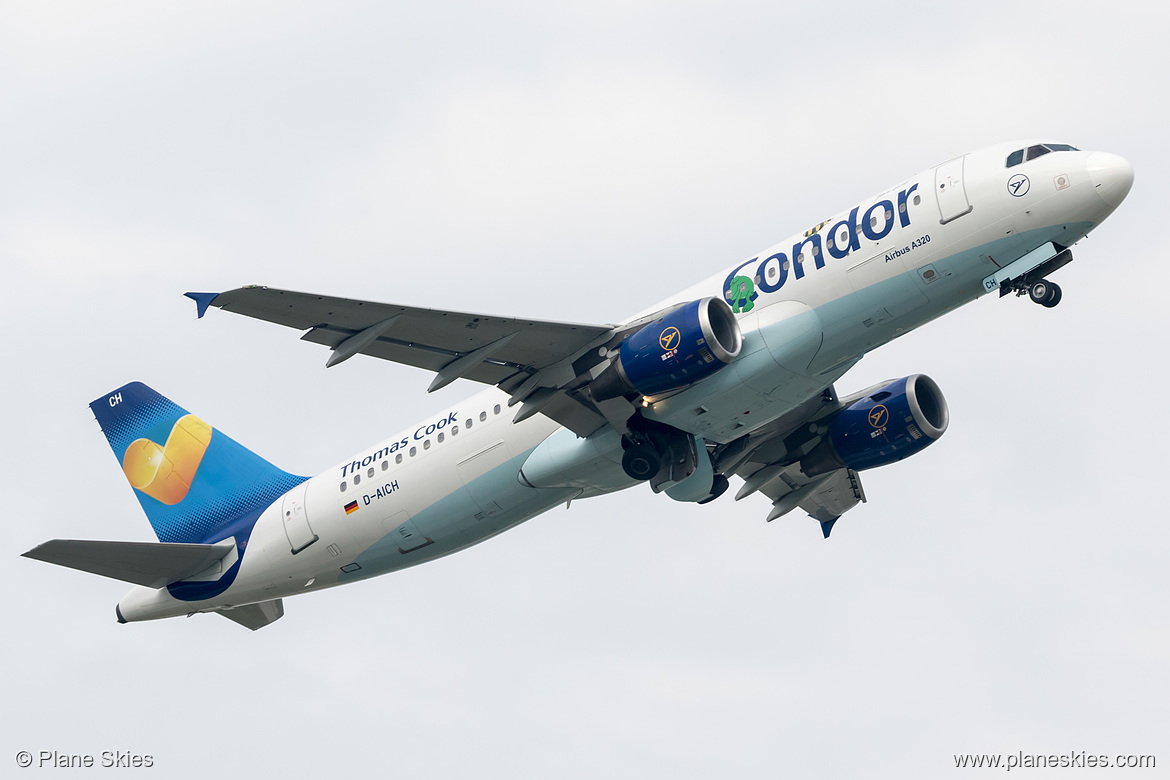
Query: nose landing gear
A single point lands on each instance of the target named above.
(1035, 283)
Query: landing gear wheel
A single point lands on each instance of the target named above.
(641, 462)
(1039, 292)
(1044, 293)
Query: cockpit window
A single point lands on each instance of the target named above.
(1037, 151)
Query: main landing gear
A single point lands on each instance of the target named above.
(670, 459)
(641, 461)
(657, 453)
(1045, 293)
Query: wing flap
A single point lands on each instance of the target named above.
(153, 564)
(835, 496)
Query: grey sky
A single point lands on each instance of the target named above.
(1006, 590)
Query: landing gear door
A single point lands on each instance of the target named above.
(295, 519)
(950, 191)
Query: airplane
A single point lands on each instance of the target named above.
(732, 377)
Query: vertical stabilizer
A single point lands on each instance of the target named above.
(194, 483)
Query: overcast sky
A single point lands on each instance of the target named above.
(1004, 591)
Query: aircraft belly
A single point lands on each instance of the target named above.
(944, 280)
(771, 377)
(456, 521)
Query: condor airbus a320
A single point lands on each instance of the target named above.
(733, 377)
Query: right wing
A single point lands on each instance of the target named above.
(541, 364)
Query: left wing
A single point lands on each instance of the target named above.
(824, 497)
(541, 364)
(768, 460)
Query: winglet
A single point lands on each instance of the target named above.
(827, 526)
(202, 301)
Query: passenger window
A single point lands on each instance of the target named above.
(342, 487)
(426, 444)
(385, 465)
(455, 429)
(441, 437)
(370, 473)
(398, 458)
(1036, 151)
(482, 416)
(357, 479)
(496, 410)
(413, 451)
(1015, 158)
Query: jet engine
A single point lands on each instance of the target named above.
(678, 349)
(885, 426)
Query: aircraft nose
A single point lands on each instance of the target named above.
(1112, 176)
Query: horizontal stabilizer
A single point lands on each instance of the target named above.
(153, 564)
(255, 616)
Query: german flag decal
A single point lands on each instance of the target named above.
(351, 507)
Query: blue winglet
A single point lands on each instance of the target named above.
(827, 526)
(202, 301)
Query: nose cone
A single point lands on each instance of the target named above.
(1112, 176)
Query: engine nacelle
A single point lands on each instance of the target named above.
(680, 348)
(898, 420)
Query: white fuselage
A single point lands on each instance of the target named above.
(895, 261)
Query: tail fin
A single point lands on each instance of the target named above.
(193, 482)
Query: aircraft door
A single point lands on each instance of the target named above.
(950, 190)
(296, 519)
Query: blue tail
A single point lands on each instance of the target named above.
(195, 484)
